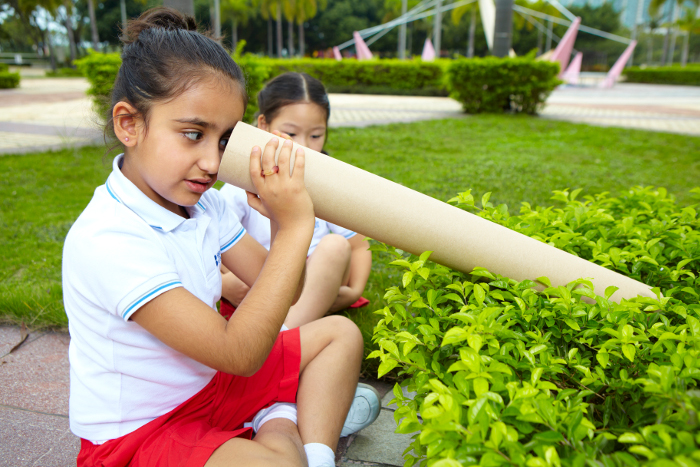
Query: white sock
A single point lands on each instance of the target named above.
(277, 410)
(319, 455)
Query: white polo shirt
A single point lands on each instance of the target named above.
(258, 226)
(123, 251)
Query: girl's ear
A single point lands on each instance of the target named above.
(124, 118)
(262, 123)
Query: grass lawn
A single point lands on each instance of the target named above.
(517, 158)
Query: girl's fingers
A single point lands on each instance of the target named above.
(255, 167)
(299, 164)
(268, 156)
(283, 161)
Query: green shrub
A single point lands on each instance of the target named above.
(9, 80)
(101, 71)
(65, 73)
(501, 84)
(508, 375)
(689, 75)
(4, 67)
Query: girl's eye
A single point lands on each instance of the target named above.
(223, 142)
(193, 135)
(316, 136)
(292, 135)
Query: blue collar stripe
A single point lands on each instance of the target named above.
(235, 237)
(111, 193)
(150, 293)
(199, 203)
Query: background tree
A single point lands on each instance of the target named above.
(299, 12)
(239, 12)
(689, 23)
(457, 15)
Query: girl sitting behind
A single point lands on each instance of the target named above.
(339, 260)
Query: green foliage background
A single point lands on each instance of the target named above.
(689, 75)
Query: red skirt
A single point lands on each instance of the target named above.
(189, 434)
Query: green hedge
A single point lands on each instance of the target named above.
(4, 67)
(498, 85)
(65, 72)
(509, 375)
(481, 85)
(9, 80)
(101, 71)
(689, 75)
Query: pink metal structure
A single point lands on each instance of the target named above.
(571, 75)
(619, 65)
(428, 54)
(336, 53)
(563, 51)
(363, 52)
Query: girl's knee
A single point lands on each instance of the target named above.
(335, 245)
(346, 330)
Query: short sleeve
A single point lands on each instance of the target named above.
(336, 229)
(231, 230)
(254, 223)
(118, 268)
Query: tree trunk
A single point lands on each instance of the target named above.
(684, 55)
(302, 45)
(548, 46)
(402, 32)
(650, 47)
(290, 38)
(71, 38)
(93, 25)
(409, 41)
(183, 6)
(503, 32)
(217, 19)
(437, 29)
(664, 52)
(52, 51)
(269, 36)
(540, 39)
(472, 31)
(234, 33)
(674, 33)
(122, 7)
(279, 30)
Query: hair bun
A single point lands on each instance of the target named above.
(160, 17)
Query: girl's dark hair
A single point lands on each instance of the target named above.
(292, 88)
(163, 56)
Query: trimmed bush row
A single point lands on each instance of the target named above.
(8, 80)
(509, 375)
(689, 75)
(481, 85)
(496, 85)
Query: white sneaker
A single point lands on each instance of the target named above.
(363, 411)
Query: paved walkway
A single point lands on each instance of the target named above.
(34, 383)
(53, 113)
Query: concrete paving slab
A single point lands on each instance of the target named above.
(36, 376)
(390, 395)
(36, 440)
(379, 443)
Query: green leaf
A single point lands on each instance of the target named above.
(629, 351)
(481, 385)
(549, 437)
(485, 200)
(572, 324)
(475, 341)
(630, 438)
(544, 280)
(386, 366)
(552, 457)
(447, 463)
(603, 358)
(454, 335)
(475, 409)
(479, 294)
(425, 255)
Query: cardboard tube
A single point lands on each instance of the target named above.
(409, 220)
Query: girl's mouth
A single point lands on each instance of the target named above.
(198, 185)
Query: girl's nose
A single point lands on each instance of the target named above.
(210, 160)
